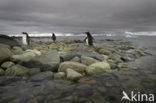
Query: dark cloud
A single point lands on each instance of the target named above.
(76, 16)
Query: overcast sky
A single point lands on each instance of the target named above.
(77, 16)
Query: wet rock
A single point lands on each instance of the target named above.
(98, 68)
(17, 70)
(33, 71)
(47, 75)
(4, 80)
(88, 60)
(76, 59)
(73, 75)
(72, 65)
(2, 72)
(5, 54)
(22, 57)
(48, 61)
(7, 64)
(59, 75)
(71, 54)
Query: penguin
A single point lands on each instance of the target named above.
(89, 39)
(25, 38)
(53, 37)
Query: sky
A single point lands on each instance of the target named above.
(77, 16)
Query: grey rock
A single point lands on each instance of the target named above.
(76, 59)
(73, 75)
(48, 61)
(71, 54)
(17, 70)
(5, 54)
(33, 71)
(72, 65)
(47, 75)
(7, 64)
(4, 80)
(88, 60)
(59, 75)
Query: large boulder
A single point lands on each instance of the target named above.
(17, 70)
(98, 68)
(47, 75)
(73, 75)
(88, 60)
(8, 40)
(72, 65)
(4, 46)
(22, 57)
(7, 64)
(5, 54)
(71, 54)
(48, 61)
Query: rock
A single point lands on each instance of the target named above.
(127, 57)
(7, 64)
(48, 61)
(88, 60)
(4, 46)
(105, 51)
(122, 66)
(72, 65)
(8, 40)
(105, 58)
(71, 54)
(5, 54)
(17, 70)
(113, 65)
(47, 75)
(4, 80)
(22, 57)
(76, 59)
(73, 75)
(116, 57)
(33, 71)
(17, 50)
(36, 52)
(98, 68)
(2, 72)
(59, 75)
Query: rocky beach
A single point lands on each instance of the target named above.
(69, 71)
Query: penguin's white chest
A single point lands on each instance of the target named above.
(87, 41)
(24, 40)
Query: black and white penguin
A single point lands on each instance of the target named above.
(25, 38)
